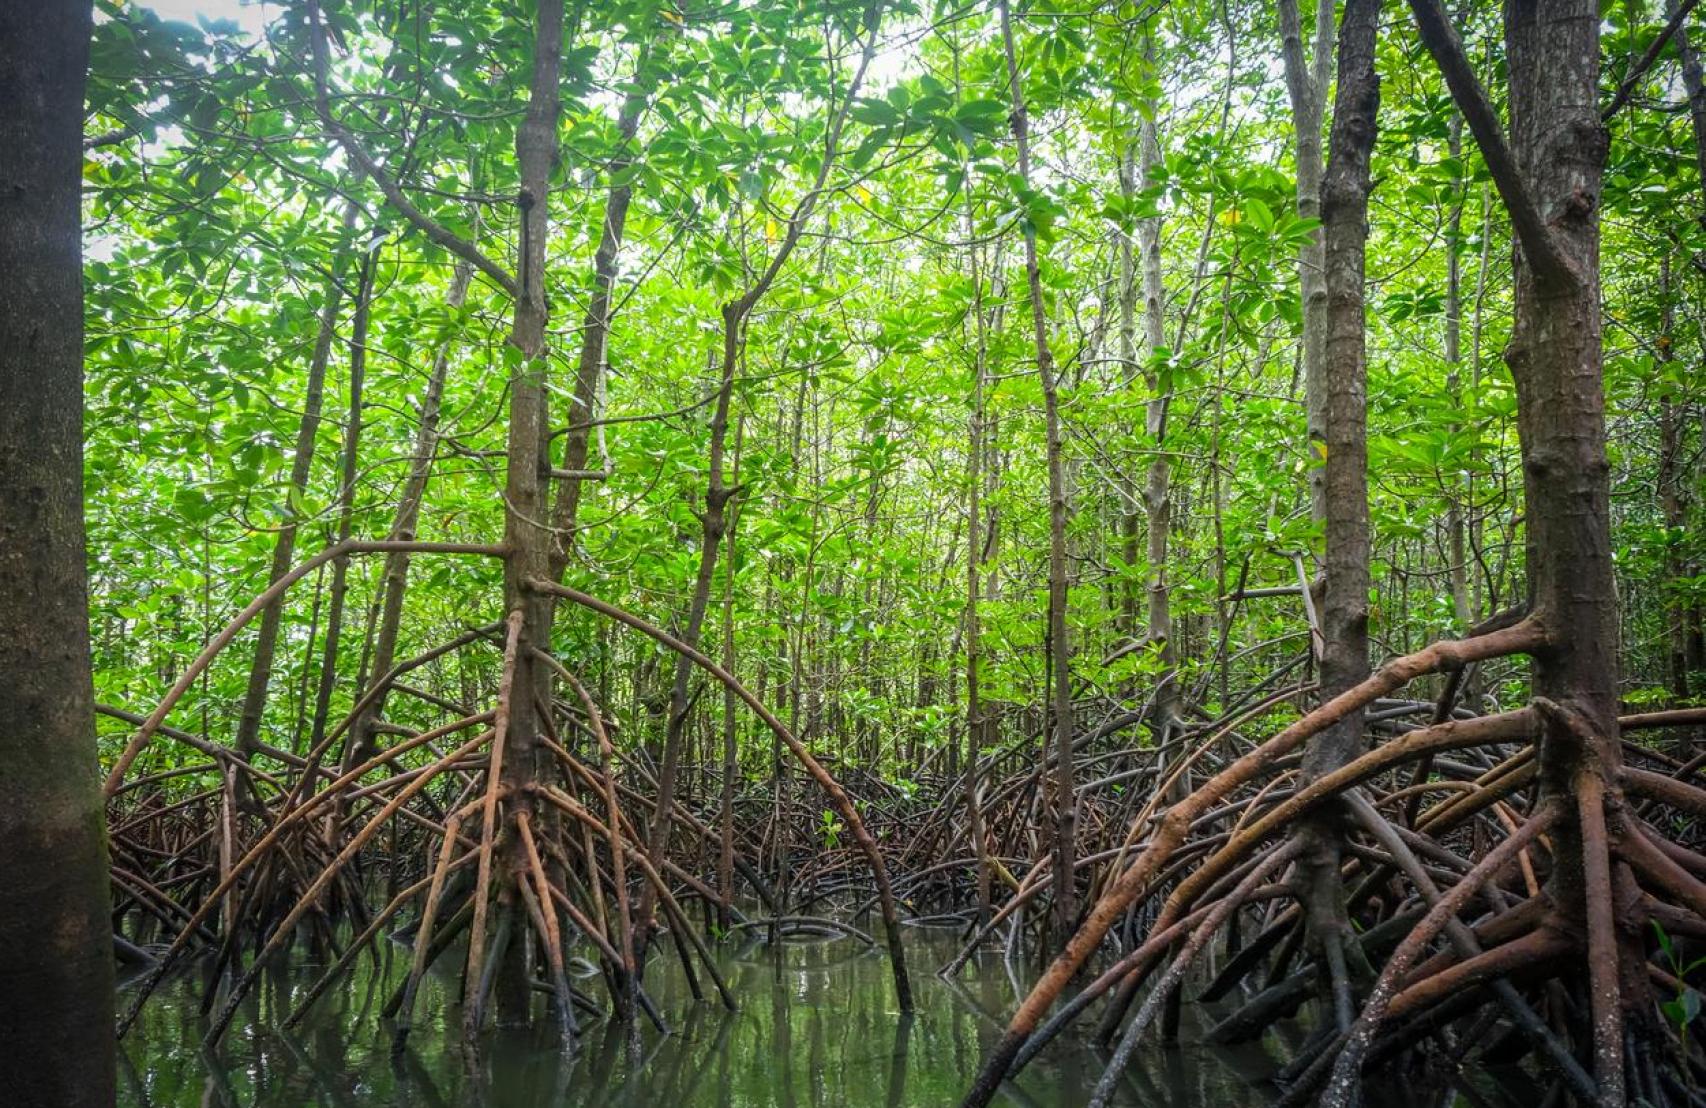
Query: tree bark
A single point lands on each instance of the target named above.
(526, 536)
(1549, 177)
(346, 493)
(1157, 493)
(973, 630)
(56, 952)
(595, 327)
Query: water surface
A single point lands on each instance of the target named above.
(817, 1028)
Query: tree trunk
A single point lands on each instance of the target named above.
(718, 493)
(403, 528)
(1059, 646)
(1549, 177)
(346, 493)
(1694, 84)
(56, 950)
(731, 749)
(595, 327)
(1306, 82)
(1344, 615)
(528, 542)
(284, 546)
(973, 630)
(1157, 494)
(1672, 499)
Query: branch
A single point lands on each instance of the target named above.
(1539, 246)
(345, 138)
(109, 138)
(1627, 88)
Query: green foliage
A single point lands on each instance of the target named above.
(217, 226)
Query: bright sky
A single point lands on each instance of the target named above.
(247, 14)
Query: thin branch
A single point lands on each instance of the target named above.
(1627, 88)
(1539, 245)
(424, 223)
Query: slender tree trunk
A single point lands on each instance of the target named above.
(1060, 649)
(1344, 615)
(1131, 369)
(1456, 542)
(346, 493)
(1306, 82)
(595, 327)
(731, 749)
(404, 528)
(718, 493)
(1157, 494)
(973, 630)
(56, 948)
(1694, 84)
(1672, 501)
(301, 466)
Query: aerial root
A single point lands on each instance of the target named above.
(1216, 918)
(1345, 1078)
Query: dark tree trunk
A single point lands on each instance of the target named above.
(346, 493)
(1672, 497)
(1344, 615)
(595, 327)
(714, 519)
(56, 950)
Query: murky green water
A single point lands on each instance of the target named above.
(817, 1029)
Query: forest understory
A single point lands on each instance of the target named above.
(1201, 501)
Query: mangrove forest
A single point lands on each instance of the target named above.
(852, 552)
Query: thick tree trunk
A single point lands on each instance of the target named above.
(1060, 647)
(1344, 615)
(56, 951)
(1555, 358)
(1549, 177)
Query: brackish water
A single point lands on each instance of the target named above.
(817, 1028)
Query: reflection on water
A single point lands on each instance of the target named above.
(817, 1029)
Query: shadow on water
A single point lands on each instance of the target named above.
(817, 1029)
